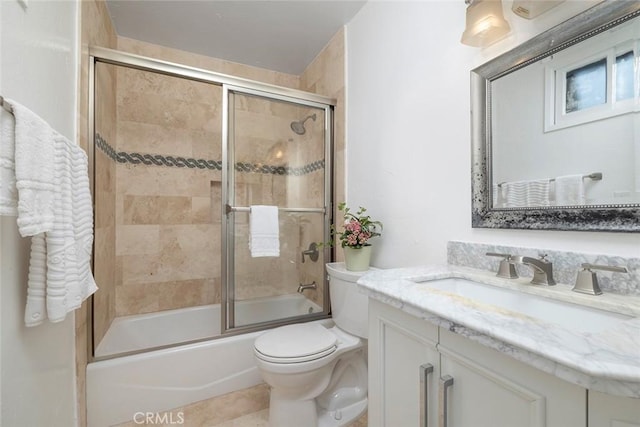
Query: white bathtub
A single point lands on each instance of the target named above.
(146, 331)
(164, 379)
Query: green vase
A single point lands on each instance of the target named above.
(357, 259)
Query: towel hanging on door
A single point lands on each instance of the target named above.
(264, 239)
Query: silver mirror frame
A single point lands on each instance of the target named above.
(618, 218)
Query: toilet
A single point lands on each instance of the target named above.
(318, 375)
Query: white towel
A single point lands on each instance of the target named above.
(8, 191)
(533, 193)
(498, 196)
(264, 239)
(570, 190)
(34, 155)
(538, 192)
(58, 215)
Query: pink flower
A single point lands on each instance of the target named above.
(358, 227)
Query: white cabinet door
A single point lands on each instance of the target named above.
(613, 411)
(398, 345)
(490, 389)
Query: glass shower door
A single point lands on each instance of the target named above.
(277, 154)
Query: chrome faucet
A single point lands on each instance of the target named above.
(302, 288)
(542, 268)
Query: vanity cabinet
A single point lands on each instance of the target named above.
(485, 388)
(614, 411)
(399, 344)
(491, 389)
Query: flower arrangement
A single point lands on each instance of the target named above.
(358, 228)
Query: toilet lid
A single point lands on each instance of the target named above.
(299, 342)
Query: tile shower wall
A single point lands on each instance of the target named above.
(168, 242)
(167, 217)
(263, 135)
(105, 203)
(97, 30)
(326, 76)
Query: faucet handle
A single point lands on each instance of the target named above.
(312, 252)
(587, 280)
(506, 269)
(614, 268)
(543, 257)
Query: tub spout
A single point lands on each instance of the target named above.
(303, 287)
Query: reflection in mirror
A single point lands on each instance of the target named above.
(556, 131)
(565, 128)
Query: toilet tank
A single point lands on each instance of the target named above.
(349, 307)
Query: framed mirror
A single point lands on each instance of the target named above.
(556, 127)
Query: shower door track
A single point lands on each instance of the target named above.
(144, 63)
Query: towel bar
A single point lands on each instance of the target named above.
(596, 176)
(229, 209)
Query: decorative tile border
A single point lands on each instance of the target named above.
(107, 149)
(280, 170)
(191, 163)
(171, 161)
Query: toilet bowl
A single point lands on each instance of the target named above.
(318, 375)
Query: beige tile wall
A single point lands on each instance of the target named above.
(167, 239)
(256, 118)
(96, 30)
(105, 203)
(325, 76)
(162, 266)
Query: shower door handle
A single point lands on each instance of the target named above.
(425, 370)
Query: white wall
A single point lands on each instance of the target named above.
(408, 135)
(38, 67)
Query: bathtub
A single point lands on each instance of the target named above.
(164, 379)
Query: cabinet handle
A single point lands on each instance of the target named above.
(425, 370)
(445, 383)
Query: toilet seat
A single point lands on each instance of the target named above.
(295, 343)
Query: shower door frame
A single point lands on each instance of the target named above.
(227, 304)
(118, 58)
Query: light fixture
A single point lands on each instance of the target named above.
(530, 9)
(485, 23)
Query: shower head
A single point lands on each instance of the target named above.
(298, 127)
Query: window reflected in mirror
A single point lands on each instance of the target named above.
(586, 86)
(624, 76)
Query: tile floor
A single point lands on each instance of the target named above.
(260, 419)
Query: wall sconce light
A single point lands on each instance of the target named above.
(485, 23)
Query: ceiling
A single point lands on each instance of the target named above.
(277, 35)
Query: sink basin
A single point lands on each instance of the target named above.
(568, 315)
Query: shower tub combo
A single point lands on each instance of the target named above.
(179, 157)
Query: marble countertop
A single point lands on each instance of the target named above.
(606, 361)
